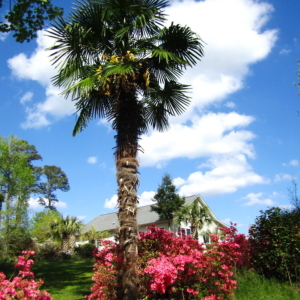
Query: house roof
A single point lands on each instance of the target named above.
(145, 216)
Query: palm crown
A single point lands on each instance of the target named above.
(108, 48)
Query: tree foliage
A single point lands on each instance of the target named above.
(275, 243)
(40, 224)
(55, 179)
(168, 202)
(26, 17)
(17, 180)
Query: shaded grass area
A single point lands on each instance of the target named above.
(252, 286)
(64, 280)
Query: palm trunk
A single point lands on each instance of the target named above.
(72, 242)
(128, 132)
(65, 243)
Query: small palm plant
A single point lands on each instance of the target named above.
(117, 61)
(194, 215)
(65, 230)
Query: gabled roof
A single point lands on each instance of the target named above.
(145, 216)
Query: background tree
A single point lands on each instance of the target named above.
(117, 62)
(195, 215)
(167, 200)
(40, 224)
(26, 17)
(65, 229)
(17, 179)
(275, 243)
(56, 179)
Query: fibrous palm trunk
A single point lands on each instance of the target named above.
(128, 126)
(72, 243)
(65, 243)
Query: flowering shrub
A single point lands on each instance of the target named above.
(23, 286)
(175, 267)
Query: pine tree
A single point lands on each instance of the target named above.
(167, 200)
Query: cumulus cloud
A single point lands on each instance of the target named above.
(146, 198)
(35, 206)
(226, 62)
(37, 67)
(253, 199)
(111, 203)
(81, 218)
(224, 136)
(92, 160)
(226, 173)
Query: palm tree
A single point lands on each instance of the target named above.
(65, 229)
(195, 215)
(93, 235)
(117, 62)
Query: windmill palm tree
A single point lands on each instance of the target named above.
(117, 62)
(194, 215)
(65, 229)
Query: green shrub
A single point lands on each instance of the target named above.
(275, 243)
(85, 251)
(48, 251)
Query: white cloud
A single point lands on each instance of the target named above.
(283, 177)
(178, 181)
(92, 160)
(284, 51)
(3, 36)
(112, 202)
(230, 104)
(226, 175)
(223, 137)
(234, 39)
(254, 199)
(293, 163)
(81, 218)
(38, 67)
(35, 206)
(26, 97)
(61, 205)
(144, 199)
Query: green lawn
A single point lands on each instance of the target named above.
(71, 280)
(64, 280)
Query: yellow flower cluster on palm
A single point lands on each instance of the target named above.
(106, 88)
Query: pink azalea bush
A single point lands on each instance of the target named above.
(23, 286)
(176, 267)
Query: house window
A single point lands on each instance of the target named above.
(188, 231)
(206, 239)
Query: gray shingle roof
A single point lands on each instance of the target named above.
(144, 216)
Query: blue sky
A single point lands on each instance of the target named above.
(237, 144)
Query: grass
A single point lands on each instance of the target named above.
(64, 280)
(71, 280)
(252, 286)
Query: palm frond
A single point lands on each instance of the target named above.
(182, 42)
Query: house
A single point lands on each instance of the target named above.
(146, 217)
